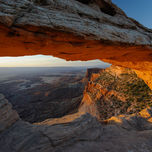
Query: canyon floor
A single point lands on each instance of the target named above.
(40, 93)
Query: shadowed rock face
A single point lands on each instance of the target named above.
(105, 6)
(8, 115)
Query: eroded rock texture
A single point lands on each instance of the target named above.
(84, 30)
(79, 132)
(8, 116)
(115, 96)
(74, 30)
(70, 29)
(114, 91)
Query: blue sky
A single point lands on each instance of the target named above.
(141, 10)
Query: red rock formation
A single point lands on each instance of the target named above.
(114, 91)
(75, 30)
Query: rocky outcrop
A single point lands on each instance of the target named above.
(95, 20)
(140, 121)
(8, 116)
(114, 91)
(75, 30)
(72, 29)
(79, 132)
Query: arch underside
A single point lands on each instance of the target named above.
(74, 30)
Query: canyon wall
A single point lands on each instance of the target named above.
(77, 132)
(8, 115)
(114, 91)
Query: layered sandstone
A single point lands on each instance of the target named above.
(79, 132)
(114, 91)
(72, 30)
(75, 30)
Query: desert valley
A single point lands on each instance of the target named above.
(36, 94)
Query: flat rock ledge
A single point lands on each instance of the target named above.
(83, 134)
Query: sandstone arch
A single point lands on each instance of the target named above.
(75, 31)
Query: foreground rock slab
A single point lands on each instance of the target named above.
(83, 134)
(8, 116)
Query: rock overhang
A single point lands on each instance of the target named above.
(74, 30)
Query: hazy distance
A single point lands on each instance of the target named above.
(46, 61)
